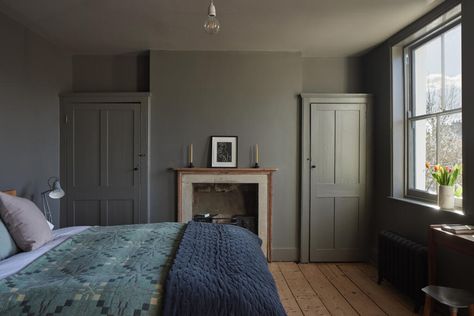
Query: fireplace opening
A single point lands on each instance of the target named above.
(226, 203)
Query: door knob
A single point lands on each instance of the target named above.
(135, 169)
(313, 166)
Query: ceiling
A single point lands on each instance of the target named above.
(320, 28)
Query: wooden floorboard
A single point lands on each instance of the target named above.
(358, 300)
(336, 289)
(287, 299)
(332, 299)
(379, 294)
(371, 271)
(305, 296)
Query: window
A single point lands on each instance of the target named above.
(433, 124)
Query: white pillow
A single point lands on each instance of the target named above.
(25, 222)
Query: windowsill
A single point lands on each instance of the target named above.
(428, 205)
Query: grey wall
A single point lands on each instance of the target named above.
(32, 74)
(251, 95)
(111, 73)
(332, 75)
(130, 72)
(199, 94)
(410, 219)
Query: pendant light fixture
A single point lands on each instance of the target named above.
(212, 25)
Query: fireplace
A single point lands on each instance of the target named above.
(226, 203)
(235, 196)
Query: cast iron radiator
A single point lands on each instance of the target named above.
(403, 263)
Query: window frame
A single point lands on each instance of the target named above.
(409, 97)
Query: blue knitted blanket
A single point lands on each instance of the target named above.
(220, 270)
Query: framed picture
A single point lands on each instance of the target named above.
(224, 151)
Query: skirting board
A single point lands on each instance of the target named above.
(285, 254)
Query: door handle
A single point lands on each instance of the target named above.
(313, 166)
(135, 169)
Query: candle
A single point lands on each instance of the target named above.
(191, 153)
(256, 153)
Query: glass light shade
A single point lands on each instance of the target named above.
(212, 25)
(57, 191)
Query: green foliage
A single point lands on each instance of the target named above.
(458, 191)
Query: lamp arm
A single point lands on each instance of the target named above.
(43, 201)
(46, 208)
(49, 216)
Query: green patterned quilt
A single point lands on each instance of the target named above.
(117, 270)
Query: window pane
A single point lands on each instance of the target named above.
(452, 68)
(450, 141)
(427, 78)
(436, 81)
(423, 142)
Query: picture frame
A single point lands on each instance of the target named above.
(224, 151)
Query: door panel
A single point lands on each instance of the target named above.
(347, 147)
(86, 213)
(337, 181)
(120, 212)
(324, 151)
(86, 136)
(322, 234)
(121, 149)
(103, 163)
(331, 190)
(346, 223)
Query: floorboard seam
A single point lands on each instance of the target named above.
(350, 277)
(366, 294)
(315, 292)
(396, 295)
(342, 294)
(286, 282)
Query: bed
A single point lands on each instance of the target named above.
(148, 269)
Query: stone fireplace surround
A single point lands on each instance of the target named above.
(186, 177)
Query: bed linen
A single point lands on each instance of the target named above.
(220, 270)
(14, 264)
(116, 270)
(152, 269)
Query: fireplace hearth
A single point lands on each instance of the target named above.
(247, 222)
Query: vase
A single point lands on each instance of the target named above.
(446, 197)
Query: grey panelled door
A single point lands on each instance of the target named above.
(337, 178)
(102, 163)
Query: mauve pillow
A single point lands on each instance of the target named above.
(25, 222)
(7, 244)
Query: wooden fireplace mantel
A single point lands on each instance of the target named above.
(260, 176)
(226, 170)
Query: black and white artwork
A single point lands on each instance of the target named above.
(224, 151)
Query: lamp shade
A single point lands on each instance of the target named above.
(57, 192)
